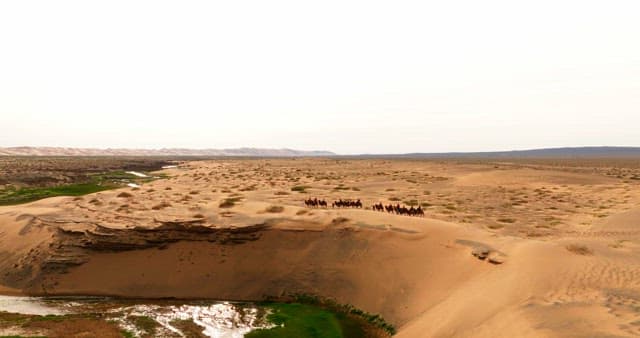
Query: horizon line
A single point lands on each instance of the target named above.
(528, 149)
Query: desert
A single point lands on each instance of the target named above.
(306, 169)
(542, 247)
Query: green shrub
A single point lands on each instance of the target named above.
(300, 188)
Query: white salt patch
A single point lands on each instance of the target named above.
(222, 320)
(169, 166)
(27, 306)
(135, 173)
(133, 185)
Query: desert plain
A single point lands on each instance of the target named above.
(506, 248)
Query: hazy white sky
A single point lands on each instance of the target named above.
(346, 76)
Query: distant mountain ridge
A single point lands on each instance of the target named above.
(251, 152)
(566, 152)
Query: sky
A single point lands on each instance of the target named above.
(345, 76)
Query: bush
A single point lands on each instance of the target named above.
(229, 202)
(339, 220)
(300, 188)
(161, 205)
(275, 209)
(579, 249)
(411, 203)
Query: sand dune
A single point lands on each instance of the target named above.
(559, 245)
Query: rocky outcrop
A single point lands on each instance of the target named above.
(72, 247)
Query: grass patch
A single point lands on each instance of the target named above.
(372, 320)
(313, 320)
(146, 324)
(298, 320)
(127, 334)
(94, 183)
(25, 195)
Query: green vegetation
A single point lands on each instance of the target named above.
(25, 321)
(146, 324)
(347, 309)
(300, 188)
(95, 183)
(300, 320)
(51, 318)
(127, 334)
(310, 316)
(297, 320)
(25, 195)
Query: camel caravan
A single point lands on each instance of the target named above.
(320, 203)
(315, 203)
(398, 209)
(348, 203)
